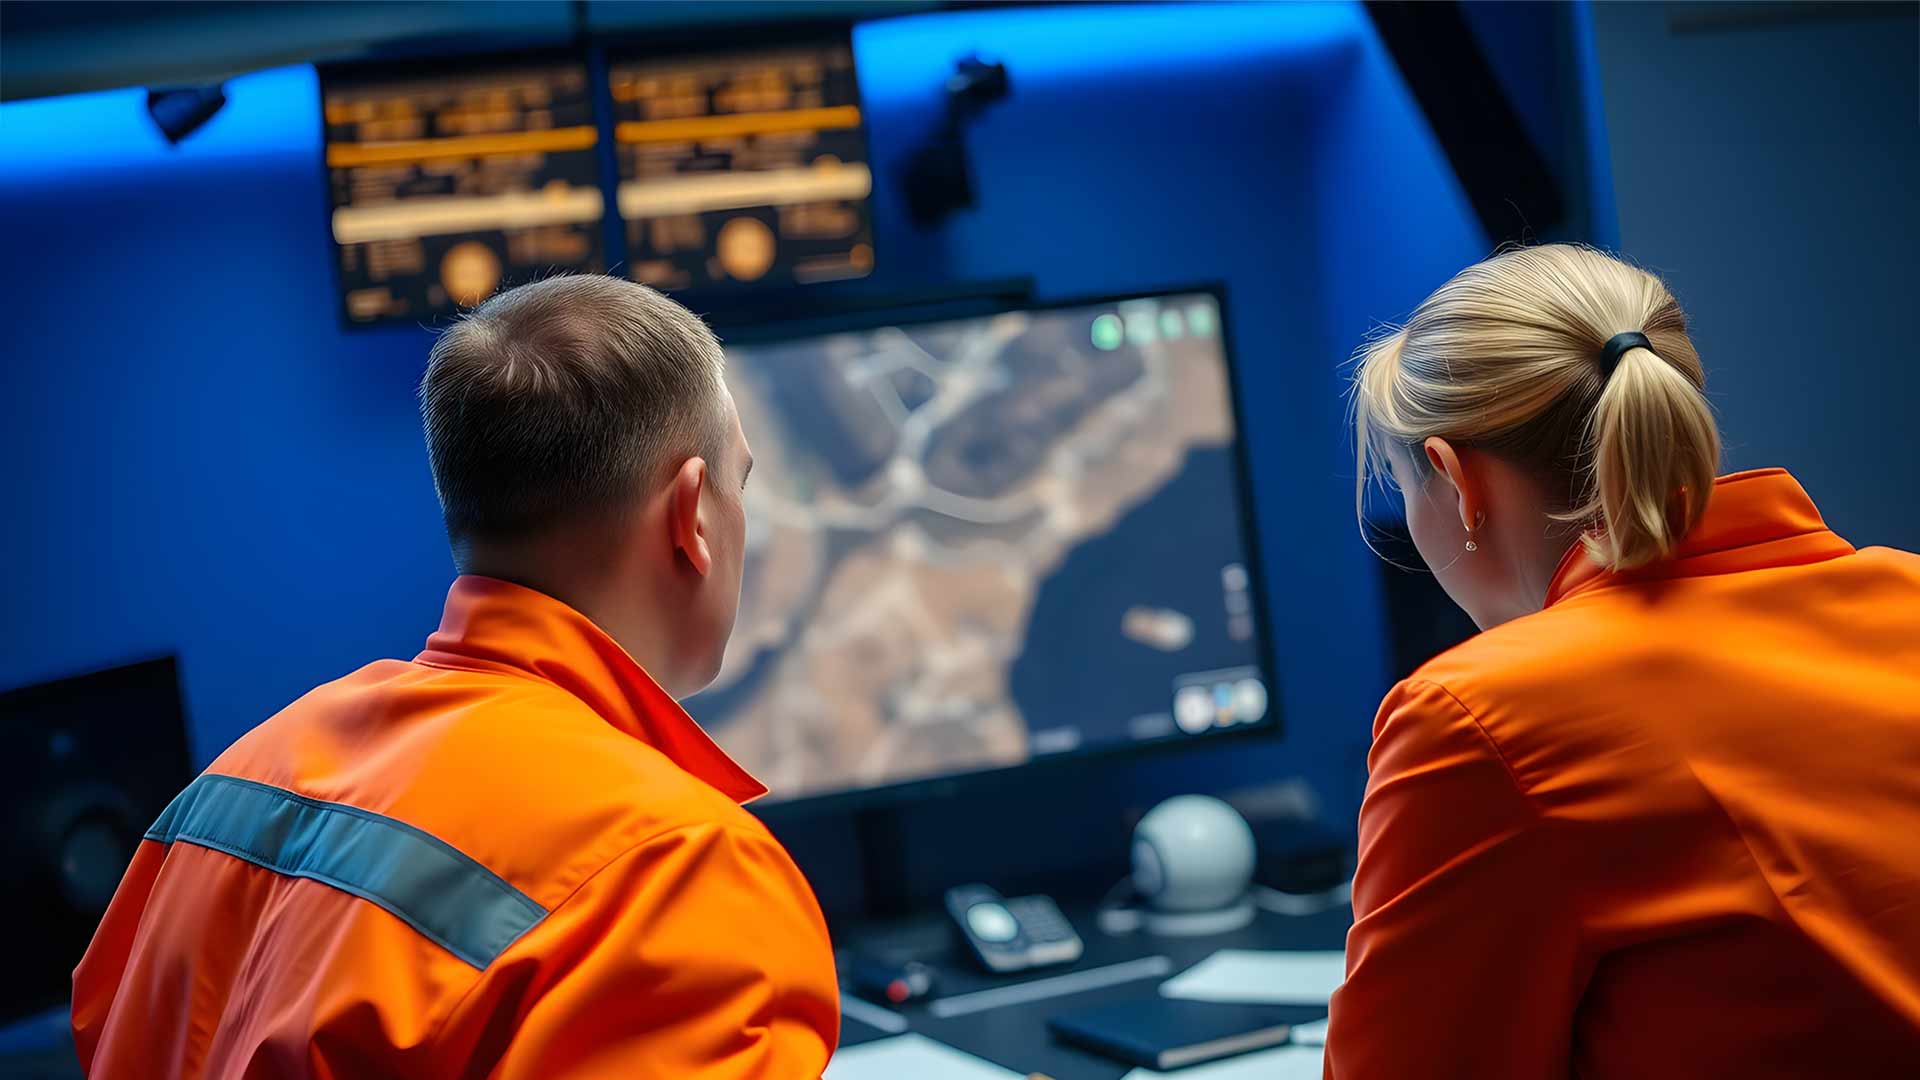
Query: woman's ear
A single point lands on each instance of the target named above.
(1463, 477)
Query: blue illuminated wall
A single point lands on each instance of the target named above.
(199, 461)
(1783, 213)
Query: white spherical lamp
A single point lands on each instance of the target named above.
(1193, 859)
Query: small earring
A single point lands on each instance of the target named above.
(1478, 520)
(1473, 545)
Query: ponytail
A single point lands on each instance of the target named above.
(1654, 451)
(1513, 356)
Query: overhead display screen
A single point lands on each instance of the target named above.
(982, 542)
(448, 186)
(743, 168)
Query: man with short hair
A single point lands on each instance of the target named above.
(515, 855)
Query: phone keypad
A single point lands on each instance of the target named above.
(1040, 918)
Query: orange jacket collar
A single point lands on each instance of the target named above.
(1755, 519)
(496, 626)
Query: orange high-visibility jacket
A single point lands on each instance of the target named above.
(1667, 827)
(514, 856)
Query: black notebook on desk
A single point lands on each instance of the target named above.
(1170, 1033)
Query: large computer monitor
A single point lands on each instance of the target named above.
(978, 543)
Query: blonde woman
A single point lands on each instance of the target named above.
(1661, 818)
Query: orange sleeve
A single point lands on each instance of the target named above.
(697, 953)
(96, 981)
(1463, 957)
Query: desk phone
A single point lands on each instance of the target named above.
(1006, 936)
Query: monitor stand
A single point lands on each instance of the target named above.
(881, 837)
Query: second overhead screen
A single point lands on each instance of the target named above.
(743, 168)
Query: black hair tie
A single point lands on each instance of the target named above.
(1617, 346)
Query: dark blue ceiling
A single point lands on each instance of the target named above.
(62, 48)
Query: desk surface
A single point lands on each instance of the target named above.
(1014, 1034)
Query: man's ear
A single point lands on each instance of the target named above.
(683, 515)
(1464, 479)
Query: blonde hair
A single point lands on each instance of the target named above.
(1506, 358)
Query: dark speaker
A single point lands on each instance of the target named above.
(86, 764)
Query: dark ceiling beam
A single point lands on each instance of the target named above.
(1506, 178)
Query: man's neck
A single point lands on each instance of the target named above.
(591, 583)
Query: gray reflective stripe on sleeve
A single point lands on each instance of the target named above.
(447, 896)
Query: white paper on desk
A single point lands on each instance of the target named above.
(1313, 1034)
(1256, 975)
(1280, 1063)
(914, 1056)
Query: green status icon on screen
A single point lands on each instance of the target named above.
(1200, 320)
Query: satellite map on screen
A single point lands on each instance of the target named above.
(977, 542)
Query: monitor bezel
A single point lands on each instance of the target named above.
(777, 810)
